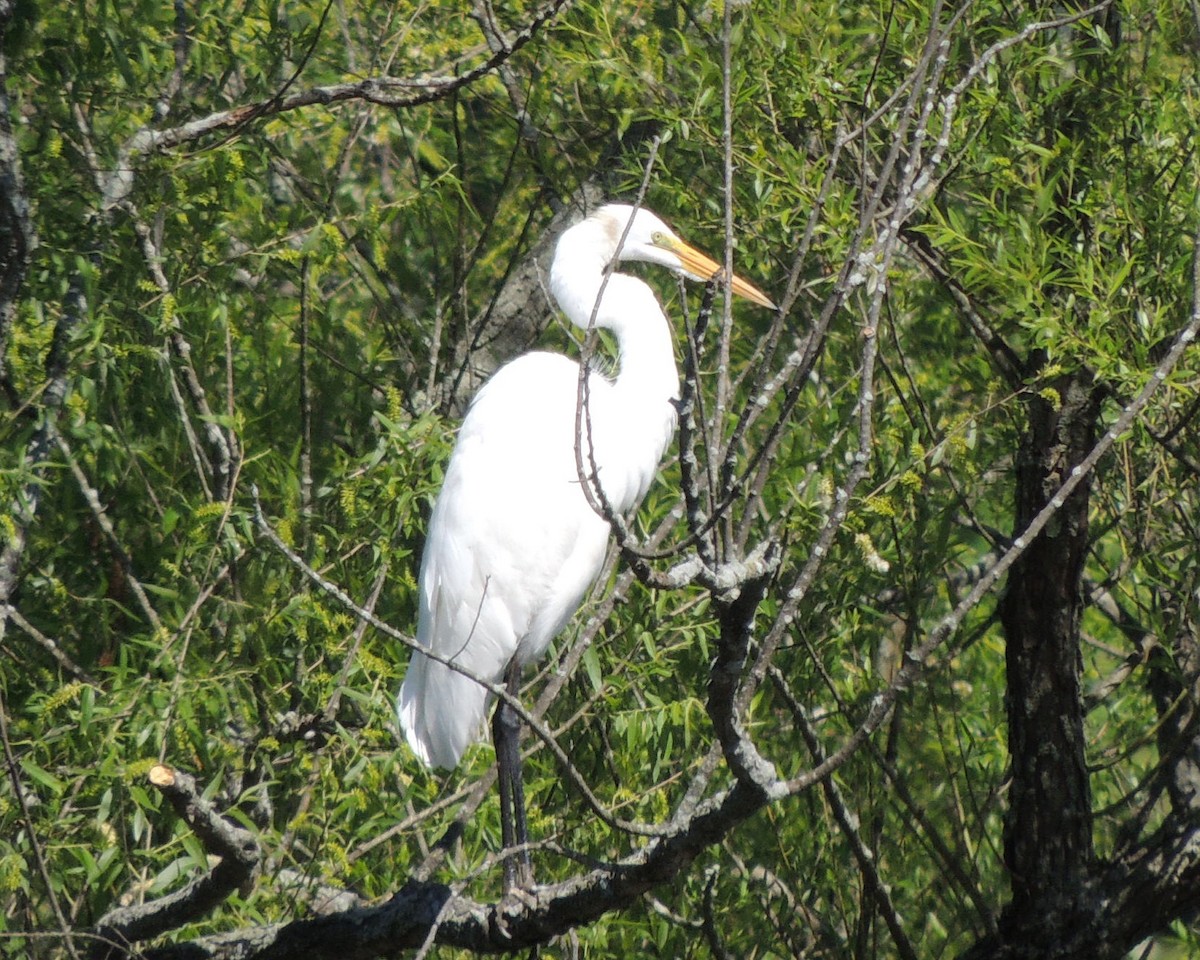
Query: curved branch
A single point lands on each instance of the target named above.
(237, 848)
(512, 924)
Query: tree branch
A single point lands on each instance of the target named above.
(393, 92)
(509, 925)
(16, 230)
(238, 849)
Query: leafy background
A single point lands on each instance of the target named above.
(332, 278)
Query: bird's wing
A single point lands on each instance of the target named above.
(512, 548)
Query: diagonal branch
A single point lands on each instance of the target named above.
(239, 857)
(514, 923)
(918, 658)
(392, 92)
(224, 454)
(847, 821)
(106, 525)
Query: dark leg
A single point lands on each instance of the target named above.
(506, 735)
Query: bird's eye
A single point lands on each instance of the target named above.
(657, 237)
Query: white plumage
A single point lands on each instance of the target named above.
(513, 544)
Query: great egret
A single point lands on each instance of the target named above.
(513, 543)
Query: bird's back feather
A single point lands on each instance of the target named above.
(512, 548)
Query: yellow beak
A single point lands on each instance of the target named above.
(697, 265)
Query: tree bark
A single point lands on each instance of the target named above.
(1048, 829)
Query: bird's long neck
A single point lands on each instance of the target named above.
(577, 272)
(632, 417)
(645, 347)
(626, 306)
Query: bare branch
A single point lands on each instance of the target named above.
(847, 821)
(512, 924)
(224, 455)
(92, 498)
(51, 646)
(383, 91)
(239, 857)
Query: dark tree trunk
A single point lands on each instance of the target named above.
(1048, 831)
(1048, 846)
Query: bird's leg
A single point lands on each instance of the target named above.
(506, 735)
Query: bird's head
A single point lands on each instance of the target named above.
(652, 241)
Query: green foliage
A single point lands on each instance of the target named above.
(358, 249)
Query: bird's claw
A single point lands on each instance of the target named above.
(514, 900)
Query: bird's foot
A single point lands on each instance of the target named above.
(514, 901)
(518, 873)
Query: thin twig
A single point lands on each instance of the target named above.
(14, 774)
(49, 645)
(124, 561)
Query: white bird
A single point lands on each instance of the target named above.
(513, 543)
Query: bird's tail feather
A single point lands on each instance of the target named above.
(441, 711)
